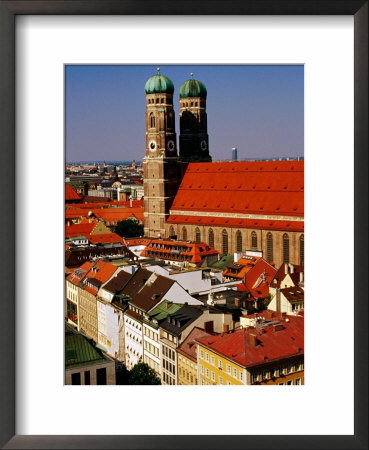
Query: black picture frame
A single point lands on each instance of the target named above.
(8, 12)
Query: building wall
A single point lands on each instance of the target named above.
(246, 233)
(110, 373)
(216, 369)
(151, 350)
(88, 314)
(71, 292)
(285, 372)
(187, 370)
(133, 341)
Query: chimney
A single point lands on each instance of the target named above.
(285, 268)
(225, 328)
(278, 327)
(169, 304)
(291, 268)
(301, 277)
(253, 340)
(209, 326)
(268, 315)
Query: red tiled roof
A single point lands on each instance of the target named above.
(255, 272)
(108, 238)
(265, 187)
(282, 225)
(90, 290)
(71, 194)
(271, 345)
(167, 249)
(138, 241)
(74, 278)
(188, 346)
(80, 229)
(105, 271)
(116, 214)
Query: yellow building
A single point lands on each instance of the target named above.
(187, 358)
(269, 352)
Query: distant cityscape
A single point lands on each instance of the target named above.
(183, 270)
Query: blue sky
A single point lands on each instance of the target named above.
(258, 109)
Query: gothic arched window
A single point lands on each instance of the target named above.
(286, 248)
(211, 238)
(239, 241)
(152, 121)
(225, 242)
(270, 247)
(184, 233)
(197, 235)
(302, 256)
(171, 231)
(254, 240)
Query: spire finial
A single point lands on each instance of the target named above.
(191, 74)
(158, 69)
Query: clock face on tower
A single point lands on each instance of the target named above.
(170, 146)
(152, 145)
(203, 145)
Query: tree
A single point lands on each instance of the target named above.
(129, 228)
(121, 374)
(143, 374)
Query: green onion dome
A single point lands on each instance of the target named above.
(159, 84)
(192, 88)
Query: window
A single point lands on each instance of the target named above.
(201, 354)
(241, 376)
(76, 378)
(197, 235)
(281, 384)
(184, 233)
(286, 248)
(212, 360)
(207, 357)
(235, 373)
(254, 240)
(211, 238)
(297, 366)
(171, 231)
(302, 250)
(212, 376)
(265, 374)
(239, 241)
(228, 368)
(202, 369)
(270, 247)
(225, 242)
(101, 376)
(220, 364)
(289, 368)
(207, 373)
(152, 121)
(289, 382)
(220, 380)
(273, 373)
(281, 370)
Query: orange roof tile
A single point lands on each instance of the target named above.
(71, 194)
(80, 229)
(108, 238)
(271, 345)
(265, 187)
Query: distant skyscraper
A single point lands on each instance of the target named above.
(234, 154)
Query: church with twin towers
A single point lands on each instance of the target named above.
(232, 206)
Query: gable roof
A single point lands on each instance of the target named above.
(256, 187)
(116, 284)
(153, 292)
(181, 319)
(188, 347)
(71, 194)
(136, 282)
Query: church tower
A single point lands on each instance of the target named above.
(161, 167)
(194, 139)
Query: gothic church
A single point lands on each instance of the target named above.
(232, 206)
